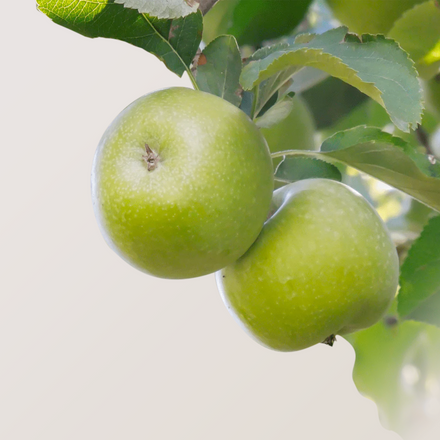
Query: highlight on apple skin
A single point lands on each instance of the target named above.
(323, 265)
(182, 183)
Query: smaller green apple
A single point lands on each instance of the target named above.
(324, 264)
(370, 16)
(295, 132)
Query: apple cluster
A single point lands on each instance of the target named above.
(182, 186)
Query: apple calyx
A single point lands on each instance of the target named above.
(151, 158)
(330, 340)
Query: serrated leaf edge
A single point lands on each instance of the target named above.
(127, 4)
(370, 37)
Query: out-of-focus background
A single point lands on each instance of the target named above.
(90, 348)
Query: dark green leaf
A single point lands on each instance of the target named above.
(331, 100)
(220, 72)
(292, 169)
(254, 21)
(375, 65)
(420, 277)
(175, 42)
(369, 113)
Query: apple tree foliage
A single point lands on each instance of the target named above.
(367, 96)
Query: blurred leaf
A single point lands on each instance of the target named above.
(276, 113)
(161, 9)
(254, 21)
(418, 32)
(292, 169)
(406, 226)
(398, 366)
(219, 69)
(387, 158)
(375, 65)
(420, 274)
(175, 42)
(369, 113)
(339, 97)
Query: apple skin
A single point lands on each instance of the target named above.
(324, 264)
(295, 132)
(370, 16)
(207, 199)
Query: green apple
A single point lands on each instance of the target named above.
(295, 132)
(324, 264)
(370, 16)
(182, 183)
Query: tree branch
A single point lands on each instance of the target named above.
(206, 5)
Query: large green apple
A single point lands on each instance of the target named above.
(182, 182)
(370, 16)
(324, 264)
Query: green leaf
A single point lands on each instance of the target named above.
(292, 169)
(220, 72)
(275, 114)
(375, 65)
(420, 276)
(418, 32)
(254, 21)
(175, 42)
(296, 131)
(161, 9)
(387, 158)
(398, 367)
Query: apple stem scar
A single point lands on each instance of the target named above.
(151, 158)
(330, 340)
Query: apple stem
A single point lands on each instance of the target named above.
(330, 340)
(206, 5)
(151, 158)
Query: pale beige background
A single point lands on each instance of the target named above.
(90, 348)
